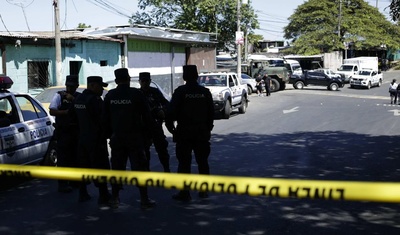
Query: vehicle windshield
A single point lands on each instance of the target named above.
(346, 68)
(364, 72)
(212, 80)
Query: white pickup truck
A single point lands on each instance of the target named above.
(227, 91)
(366, 78)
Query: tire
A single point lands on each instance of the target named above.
(249, 90)
(369, 85)
(243, 105)
(333, 86)
(351, 86)
(274, 85)
(50, 159)
(226, 112)
(298, 85)
(379, 83)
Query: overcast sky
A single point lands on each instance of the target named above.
(38, 15)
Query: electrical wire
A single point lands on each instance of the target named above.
(1, 18)
(110, 7)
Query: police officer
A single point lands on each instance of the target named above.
(128, 121)
(92, 144)
(267, 83)
(192, 108)
(66, 129)
(158, 105)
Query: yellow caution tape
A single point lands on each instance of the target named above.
(271, 187)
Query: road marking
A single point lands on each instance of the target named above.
(396, 112)
(291, 110)
(335, 93)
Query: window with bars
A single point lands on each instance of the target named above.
(38, 74)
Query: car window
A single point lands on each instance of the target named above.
(7, 111)
(29, 108)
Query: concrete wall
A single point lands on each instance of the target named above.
(89, 52)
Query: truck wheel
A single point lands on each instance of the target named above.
(351, 86)
(274, 85)
(369, 85)
(226, 113)
(333, 86)
(50, 159)
(243, 105)
(298, 85)
(249, 90)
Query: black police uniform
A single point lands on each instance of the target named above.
(129, 125)
(92, 144)
(158, 102)
(192, 107)
(267, 83)
(66, 132)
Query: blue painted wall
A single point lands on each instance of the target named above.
(89, 52)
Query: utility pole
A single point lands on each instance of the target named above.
(57, 39)
(238, 47)
(340, 17)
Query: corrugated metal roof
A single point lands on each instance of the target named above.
(51, 35)
(140, 31)
(112, 32)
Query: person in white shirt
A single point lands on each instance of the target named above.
(393, 92)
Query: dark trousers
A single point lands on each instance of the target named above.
(201, 150)
(161, 146)
(93, 154)
(268, 90)
(67, 149)
(120, 153)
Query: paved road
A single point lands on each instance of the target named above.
(313, 133)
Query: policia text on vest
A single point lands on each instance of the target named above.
(271, 187)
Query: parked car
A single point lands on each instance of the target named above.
(47, 94)
(227, 91)
(315, 78)
(26, 128)
(250, 82)
(366, 78)
(135, 83)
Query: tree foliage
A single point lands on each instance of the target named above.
(323, 26)
(83, 26)
(198, 15)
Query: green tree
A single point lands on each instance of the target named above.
(83, 26)
(314, 27)
(198, 15)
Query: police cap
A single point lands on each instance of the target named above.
(96, 79)
(72, 80)
(190, 72)
(144, 76)
(122, 74)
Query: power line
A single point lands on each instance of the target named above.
(110, 7)
(1, 18)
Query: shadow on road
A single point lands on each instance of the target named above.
(35, 207)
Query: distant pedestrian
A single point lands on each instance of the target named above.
(267, 84)
(259, 84)
(92, 144)
(158, 106)
(129, 127)
(66, 129)
(393, 92)
(192, 108)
